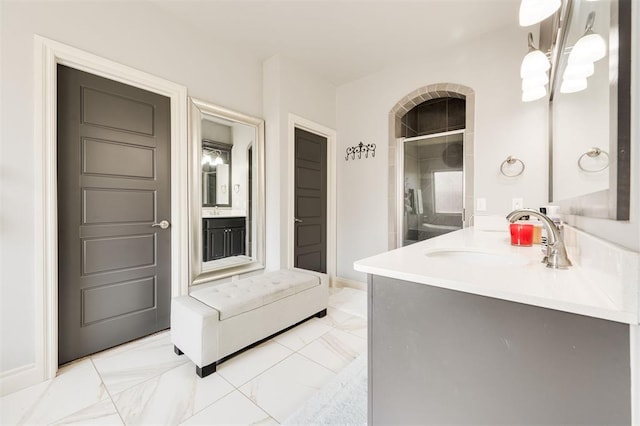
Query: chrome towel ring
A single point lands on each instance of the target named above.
(511, 161)
(593, 153)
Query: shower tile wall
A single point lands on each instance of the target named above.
(434, 116)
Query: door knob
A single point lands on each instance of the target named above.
(296, 220)
(162, 225)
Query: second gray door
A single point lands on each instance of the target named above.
(114, 266)
(310, 228)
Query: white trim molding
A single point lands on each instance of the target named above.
(18, 378)
(634, 355)
(342, 282)
(312, 127)
(48, 54)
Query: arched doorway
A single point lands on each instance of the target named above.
(398, 134)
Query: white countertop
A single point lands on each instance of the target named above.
(223, 212)
(609, 293)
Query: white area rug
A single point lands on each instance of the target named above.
(343, 401)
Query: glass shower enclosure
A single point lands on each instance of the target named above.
(433, 179)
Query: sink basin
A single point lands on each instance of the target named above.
(477, 257)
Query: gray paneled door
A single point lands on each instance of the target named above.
(114, 267)
(310, 228)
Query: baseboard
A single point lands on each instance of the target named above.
(340, 282)
(19, 378)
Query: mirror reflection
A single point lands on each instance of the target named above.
(590, 107)
(216, 165)
(226, 158)
(583, 97)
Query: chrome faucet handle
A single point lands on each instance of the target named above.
(556, 251)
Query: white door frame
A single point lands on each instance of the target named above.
(48, 54)
(318, 129)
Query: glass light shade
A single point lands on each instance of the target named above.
(217, 161)
(578, 70)
(533, 94)
(533, 63)
(573, 85)
(590, 48)
(206, 159)
(534, 11)
(534, 81)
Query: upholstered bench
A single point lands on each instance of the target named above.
(218, 321)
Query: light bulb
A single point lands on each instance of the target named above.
(533, 63)
(534, 11)
(590, 48)
(206, 159)
(578, 70)
(536, 80)
(533, 93)
(218, 161)
(573, 85)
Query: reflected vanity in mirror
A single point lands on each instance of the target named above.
(589, 170)
(226, 192)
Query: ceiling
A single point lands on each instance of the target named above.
(343, 40)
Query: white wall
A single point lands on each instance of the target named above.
(136, 34)
(215, 131)
(503, 126)
(288, 89)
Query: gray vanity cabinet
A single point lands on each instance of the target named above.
(438, 356)
(223, 237)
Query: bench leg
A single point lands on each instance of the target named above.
(322, 313)
(177, 351)
(206, 370)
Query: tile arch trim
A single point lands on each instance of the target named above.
(404, 105)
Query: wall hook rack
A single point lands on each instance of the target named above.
(360, 149)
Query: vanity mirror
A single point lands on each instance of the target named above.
(589, 170)
(226, 181)
(216, 171)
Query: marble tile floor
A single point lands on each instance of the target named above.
(145, 383)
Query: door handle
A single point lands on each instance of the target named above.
(296, 220)
(162, 225)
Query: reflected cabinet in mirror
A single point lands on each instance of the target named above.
(226, 192)
(590, 109)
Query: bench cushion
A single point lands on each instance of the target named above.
(237, 297)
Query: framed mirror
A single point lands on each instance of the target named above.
(590, 105)
(226, 192)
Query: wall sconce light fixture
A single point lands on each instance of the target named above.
(590, 48)
(534, 11)
(207, 157)
(533, 72)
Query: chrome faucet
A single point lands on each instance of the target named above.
(556, 251)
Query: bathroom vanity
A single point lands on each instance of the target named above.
(466, 329)
(223, 237)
